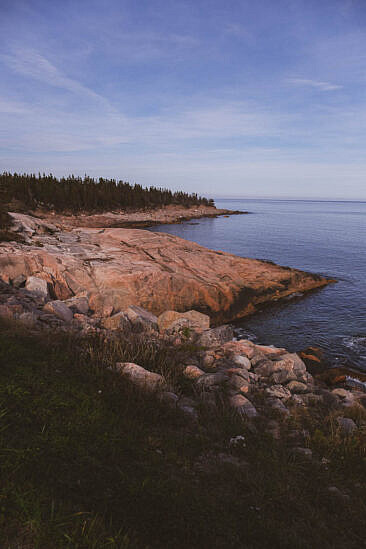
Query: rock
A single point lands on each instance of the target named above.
(192, 372)
(141, 318)
(194, 320)
(243, 406)
(278, 391)
(274, 429)
(297, 387)
(237, 442)
(283, 376)
(216, 336)
(37, 286)
(303, 453)
(157, 271)
(149, 381)
(28, 318)
(277, 404)
(119, 321)
(166, 319)
(237, 382)
(19, 281)
(6, 312)
(59, 309)
(336, 492)
(241, 361)
(347, 425)
(171, 399)
(345, 397)
(241, 347)
(269, 351)
(210, 381)
(78, 305)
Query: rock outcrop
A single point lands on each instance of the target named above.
(117, 268)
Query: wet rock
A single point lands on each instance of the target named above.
(216, 336)
(149, 381)
(59, 309)
(347, 425)
(243, 406)
(37, 286)
(192, 372)
(297, 387)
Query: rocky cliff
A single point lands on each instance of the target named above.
(116, 268)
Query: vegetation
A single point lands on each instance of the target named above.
(76, 194)
(87, 461)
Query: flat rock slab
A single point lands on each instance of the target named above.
(122, 267)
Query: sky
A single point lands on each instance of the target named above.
(244, 98)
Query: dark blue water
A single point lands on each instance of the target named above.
(322, 237)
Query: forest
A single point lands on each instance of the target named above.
(75, 194)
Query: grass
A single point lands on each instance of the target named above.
(87, 461)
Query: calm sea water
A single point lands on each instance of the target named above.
(322, 237)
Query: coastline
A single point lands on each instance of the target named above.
(137, 219)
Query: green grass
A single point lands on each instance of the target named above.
(89, 462)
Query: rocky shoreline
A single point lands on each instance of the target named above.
(57, 280)
(115, 268)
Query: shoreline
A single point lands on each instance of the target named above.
(136, 219)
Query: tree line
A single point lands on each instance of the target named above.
(75, 194)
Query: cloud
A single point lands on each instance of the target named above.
(323, 86)
(30, 63)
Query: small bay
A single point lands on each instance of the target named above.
(325, 237)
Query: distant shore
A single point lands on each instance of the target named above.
(137, 219)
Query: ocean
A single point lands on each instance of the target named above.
(318, 236)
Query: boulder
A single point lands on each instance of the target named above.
(346, 425)
(119, 321)
(243, 406)
(59, 309)
(144, 379)
(297, 387)
(278, 391)
(241, 361)
(19, 281)
(216, 336)
(141, 318)
(192, 372)
(196, 321)
(212, 381)
(78, 305)
(37, 286)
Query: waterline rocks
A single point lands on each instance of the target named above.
(117, 268)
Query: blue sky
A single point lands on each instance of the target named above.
(226, 98)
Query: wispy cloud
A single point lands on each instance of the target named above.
(30, 63)
(320, 85)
